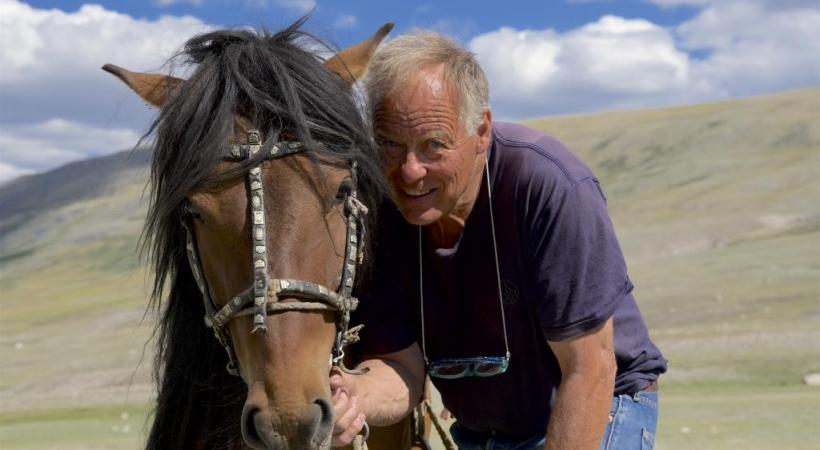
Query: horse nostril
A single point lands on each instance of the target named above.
(311, 431)
(249, 431)
(324, 426)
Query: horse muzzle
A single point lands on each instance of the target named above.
(312, 429)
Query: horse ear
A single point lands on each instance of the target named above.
(351, 63)
(154, 88)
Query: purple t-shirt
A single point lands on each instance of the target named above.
(562, 275)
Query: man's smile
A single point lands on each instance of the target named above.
(416, 192)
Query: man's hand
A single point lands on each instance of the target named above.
(349, 418)
(383, 395)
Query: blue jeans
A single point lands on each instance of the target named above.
(633, 422)
(469, 440)
(633, 419)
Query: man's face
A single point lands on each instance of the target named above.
(431, 162)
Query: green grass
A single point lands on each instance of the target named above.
(75, 428)
(715, 416)
(702, 416)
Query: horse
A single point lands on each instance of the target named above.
(262, 174)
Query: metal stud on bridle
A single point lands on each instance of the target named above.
(262, 297)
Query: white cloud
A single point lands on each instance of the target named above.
(753, 47)
(611, 62)
(39, 43)
(730, 48)
(610, 52)
(345, 21)
(56, 105)
(35, 147)
(531, 54)
(172, 2)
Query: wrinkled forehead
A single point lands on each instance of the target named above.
(434, 76)
(406, 121)
(426, 92)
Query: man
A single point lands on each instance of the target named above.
(499, 275)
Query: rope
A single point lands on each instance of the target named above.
(359, 443)
(442, 433)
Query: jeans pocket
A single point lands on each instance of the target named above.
(647, 440)
(647, 398)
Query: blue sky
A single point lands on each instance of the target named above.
(542, 57)
(469, 16)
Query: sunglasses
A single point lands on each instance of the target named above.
(477, 366)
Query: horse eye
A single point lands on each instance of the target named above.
(189, 211)
(344, 190)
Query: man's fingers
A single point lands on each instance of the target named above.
(346, 436)
(336, 380)
(346, 414)
(341, 402)
(349, 420)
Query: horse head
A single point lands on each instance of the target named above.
(261, 175)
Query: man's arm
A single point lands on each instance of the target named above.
(382, 396)
(584, 397)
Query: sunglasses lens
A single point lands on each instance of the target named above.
(449, 370)
(482, 366)
(490, 368)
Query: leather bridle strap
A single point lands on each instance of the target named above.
(320, 298)
(263, 296)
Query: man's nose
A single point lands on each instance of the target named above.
(412, 169)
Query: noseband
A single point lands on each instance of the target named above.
(263, 296)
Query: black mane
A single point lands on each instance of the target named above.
(282, 89)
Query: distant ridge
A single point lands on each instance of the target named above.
(71, 182)
(811, 91)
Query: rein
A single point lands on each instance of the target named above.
(262, 298)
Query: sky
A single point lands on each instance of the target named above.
(542, 57)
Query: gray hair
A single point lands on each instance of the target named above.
(395, 64)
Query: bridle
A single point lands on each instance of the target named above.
(263, 296)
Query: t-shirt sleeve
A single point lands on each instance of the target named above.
(578, 274)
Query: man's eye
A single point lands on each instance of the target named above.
(389, 147)
(384, 143)
(434, 147)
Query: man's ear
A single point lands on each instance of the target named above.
(154, 88)
(351, 63)
(484, 132)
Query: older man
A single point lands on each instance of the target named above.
(497, 273)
